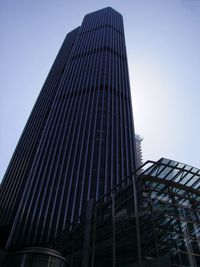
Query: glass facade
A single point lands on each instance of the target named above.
(158, 226)
(79, 142)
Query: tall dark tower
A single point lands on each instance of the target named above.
(17, 173)
(79, 139)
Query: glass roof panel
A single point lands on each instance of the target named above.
(165, 172)
(157, 170)
(187, 178)
(180, 165)
(149, 169)
(188, 168)
(174, 173)
(178, 178)
(192, 180)
(195, 170)
(173, 163)
(170, 176)
(165, 161)
(197, 186)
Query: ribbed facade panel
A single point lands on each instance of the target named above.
(87, 145)
(15, 178)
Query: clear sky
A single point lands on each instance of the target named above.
(163, 48)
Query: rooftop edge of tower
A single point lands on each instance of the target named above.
(102, 9)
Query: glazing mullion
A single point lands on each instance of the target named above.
(102, 113)
(91, 98)
(65, 180)
(90, 60)
(121, 95)
(29, 187)
(29, 129)
(96, 82)
(70, 118)
(64, 114)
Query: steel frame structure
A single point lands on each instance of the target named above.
(150, 219)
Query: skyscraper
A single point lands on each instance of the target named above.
(79, 140)
(16, 176)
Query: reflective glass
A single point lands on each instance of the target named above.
(188, 168)
(195, 171)
(165, 161)
(174, 173)
(165, 173)
(187, 178)
(150, 168)
(180, 165)
(196, 186)
(173, 163)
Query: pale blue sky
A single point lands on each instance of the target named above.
(163, 48)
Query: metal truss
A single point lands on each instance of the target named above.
(150, 219)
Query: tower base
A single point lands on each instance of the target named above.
(36, 257)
